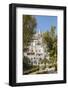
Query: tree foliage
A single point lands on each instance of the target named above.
(50, 40)
(26, 62)
(29, 24)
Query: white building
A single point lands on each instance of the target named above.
(36, 50)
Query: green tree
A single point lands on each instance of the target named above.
(29, 24)
(26, 63)
(50, 40)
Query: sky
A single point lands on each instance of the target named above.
(44, 23)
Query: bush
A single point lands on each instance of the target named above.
(26, 64)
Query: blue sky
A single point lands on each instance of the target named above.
(44, 23)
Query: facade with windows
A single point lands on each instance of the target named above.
(35, 50)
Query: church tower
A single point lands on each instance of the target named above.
(39, 31)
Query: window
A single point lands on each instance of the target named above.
(34, 57)
(31, 58)
(36, 50)
(35, 62)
